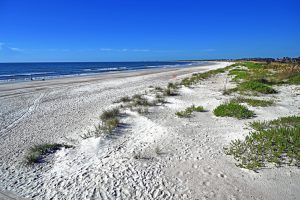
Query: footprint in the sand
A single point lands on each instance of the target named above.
(205, 183)
(222, 175)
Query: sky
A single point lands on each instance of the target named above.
(147, 30)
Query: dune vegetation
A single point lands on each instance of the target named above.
(36, 153)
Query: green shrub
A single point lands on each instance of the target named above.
(283, 122)
(239, 74)
(256, 86)
(36, 152)
(295, 80)
(252, 65)
(233, 110)
(275, 145)
(253, 102)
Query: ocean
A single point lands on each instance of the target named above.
(41, 71)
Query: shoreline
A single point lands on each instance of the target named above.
(11, 86)
(116, 71)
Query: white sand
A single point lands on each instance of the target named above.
(191, 163)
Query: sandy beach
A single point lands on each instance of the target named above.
(178, 158)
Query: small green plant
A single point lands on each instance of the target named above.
(239, 74)
(36, 152)
(125, 99)
(283, 122)
(173, 86)
(184, 113)
(253, 102)
(189, 110)
(233, 110)
(197, 108)
(295, 80)
(143, 110)
(110, 121)
(109, 114)
(275, 145)
(110, 125)
(255, 86)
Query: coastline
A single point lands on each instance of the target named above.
(191, 165)
(82, 69)
(67, 80)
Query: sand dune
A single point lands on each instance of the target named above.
(153, 156)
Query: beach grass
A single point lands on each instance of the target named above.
(110, 114)
(235, 110)
(110, 121)
(36, 152)
(197, 77)
(267, 73)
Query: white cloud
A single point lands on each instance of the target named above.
(15, 49)
(4, 48)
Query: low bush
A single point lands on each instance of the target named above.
(189, 110)
(275, 145)
(253, 102)
(239, 74)
(283, 122)
(295, 80)
(110, 121)
(233, 110)
(255, 86)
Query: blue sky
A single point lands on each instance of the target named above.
(134, 30)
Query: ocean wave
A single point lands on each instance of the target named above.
(73, 69)
(26, 74)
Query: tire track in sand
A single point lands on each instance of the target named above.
(24, 115)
